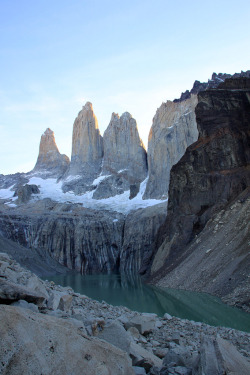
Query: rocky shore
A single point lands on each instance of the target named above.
(48, 329)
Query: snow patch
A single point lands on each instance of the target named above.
(99, 179)
(50, 188)
(7, 193)
(72, 178)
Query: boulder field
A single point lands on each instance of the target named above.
(48, 329)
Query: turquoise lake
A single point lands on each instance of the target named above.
(117, 289)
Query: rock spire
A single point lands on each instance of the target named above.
(123, 148)
(49, 158)
(87, 144)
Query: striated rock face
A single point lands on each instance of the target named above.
(174, 128)
(123, 148)
(49, 158)
(213, 172)
(89, 241)
(86, 240)
(140, 231)
(87, 145)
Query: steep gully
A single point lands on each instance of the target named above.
(93, 241)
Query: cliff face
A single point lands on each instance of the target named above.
(87, 144)
(49, 159)
(174, 128)
(214, 171)
(87, 240)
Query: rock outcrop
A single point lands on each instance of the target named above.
(140, 230)
(49, 159)
(123, 148)
(213, 173)
(25, 192)
(87, 145)
(174, 128)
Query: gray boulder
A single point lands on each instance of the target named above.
(40, 344)
(24, 193)
(10, 292)
(144, 323)
(220, 357)
(116, 335)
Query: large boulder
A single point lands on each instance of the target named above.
(10, 292)
(24, 193)
(34, 343)
(220, 357)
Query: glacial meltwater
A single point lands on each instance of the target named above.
(117, 289)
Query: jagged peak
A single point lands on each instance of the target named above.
(126, 115)
(88, 106)
(48, 131)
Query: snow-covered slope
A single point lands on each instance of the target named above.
(50, 188)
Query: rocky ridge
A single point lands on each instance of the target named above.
(208, 181)
(212, 83)
(103, 339)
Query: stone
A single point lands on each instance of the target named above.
(49, 159)
(134, 333)
(10, 292)
(140, 355)
(139, 370)
(174, 128)
(116, 335)
(40, 344)
(144, 324)
(65, 302)
(111, 186)
(220, 357)
(25, 192)
(160, 352)
(179, 356)
(123, 149)
(167, 316)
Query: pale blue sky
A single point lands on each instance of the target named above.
(120, 55)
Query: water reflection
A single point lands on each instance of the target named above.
(130, 291)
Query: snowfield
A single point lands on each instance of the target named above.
(50, 188)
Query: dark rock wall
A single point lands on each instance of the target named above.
(211, 174)
(89, 241)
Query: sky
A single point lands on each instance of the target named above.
(119, 55)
